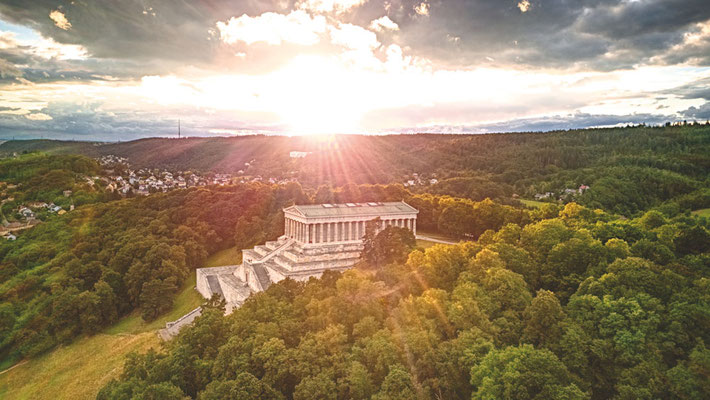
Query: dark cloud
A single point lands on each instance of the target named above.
(699, 89)
(600, 34)
(549, 123)
(90, 122)
(698, 113)
(603, 34)
(162, 35)
(634, 19)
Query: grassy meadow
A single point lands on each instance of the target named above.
(77, 371)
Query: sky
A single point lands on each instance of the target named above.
(125, 69)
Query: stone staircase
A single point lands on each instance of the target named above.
(259, 255)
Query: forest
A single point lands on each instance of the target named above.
(583, 305)
(599, 294)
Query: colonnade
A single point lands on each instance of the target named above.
(339, 231)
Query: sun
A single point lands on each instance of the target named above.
(320, 98)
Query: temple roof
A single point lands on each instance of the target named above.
(351, 209)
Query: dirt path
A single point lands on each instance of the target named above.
(14, 366)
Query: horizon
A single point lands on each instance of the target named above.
(121, 71)
(285, 135)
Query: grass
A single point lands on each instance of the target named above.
(187, 300)
(77, 371)
(533, 203)
(425, 244)
(705, 212)
(230, 256)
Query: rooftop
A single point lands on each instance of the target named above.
(351, 209)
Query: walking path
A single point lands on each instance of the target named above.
(435, 240)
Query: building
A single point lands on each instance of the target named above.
(316, 238)
(298, 154)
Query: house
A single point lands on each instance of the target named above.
(583, 188)
(433, 181)
(54, 208)
(67, 193)
(9, 236)
(298, 154)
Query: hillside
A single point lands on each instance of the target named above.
(627, 169)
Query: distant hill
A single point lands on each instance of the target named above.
(629, 169)
(49, 146)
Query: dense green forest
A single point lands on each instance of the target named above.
(584, 305)
(628, 169)
(601, 293)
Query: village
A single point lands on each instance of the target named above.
(122, 179)
(119, 178)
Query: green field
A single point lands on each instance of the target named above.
(230, 256)
(77, 371)
(425, 244)
(705, 212)
(533, 203)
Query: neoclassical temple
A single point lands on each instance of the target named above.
(335, 223)
(316, 238)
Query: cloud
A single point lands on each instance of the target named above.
(697, 89)
(524, 6)
(579, 35)
(422, 9)
(326, 6)
(297, 27)
(383, 23)
(353, 37)
(60, 20)
(91, 121)
(38, 117)
(547, 123)
(698, 113)
(600, 35)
